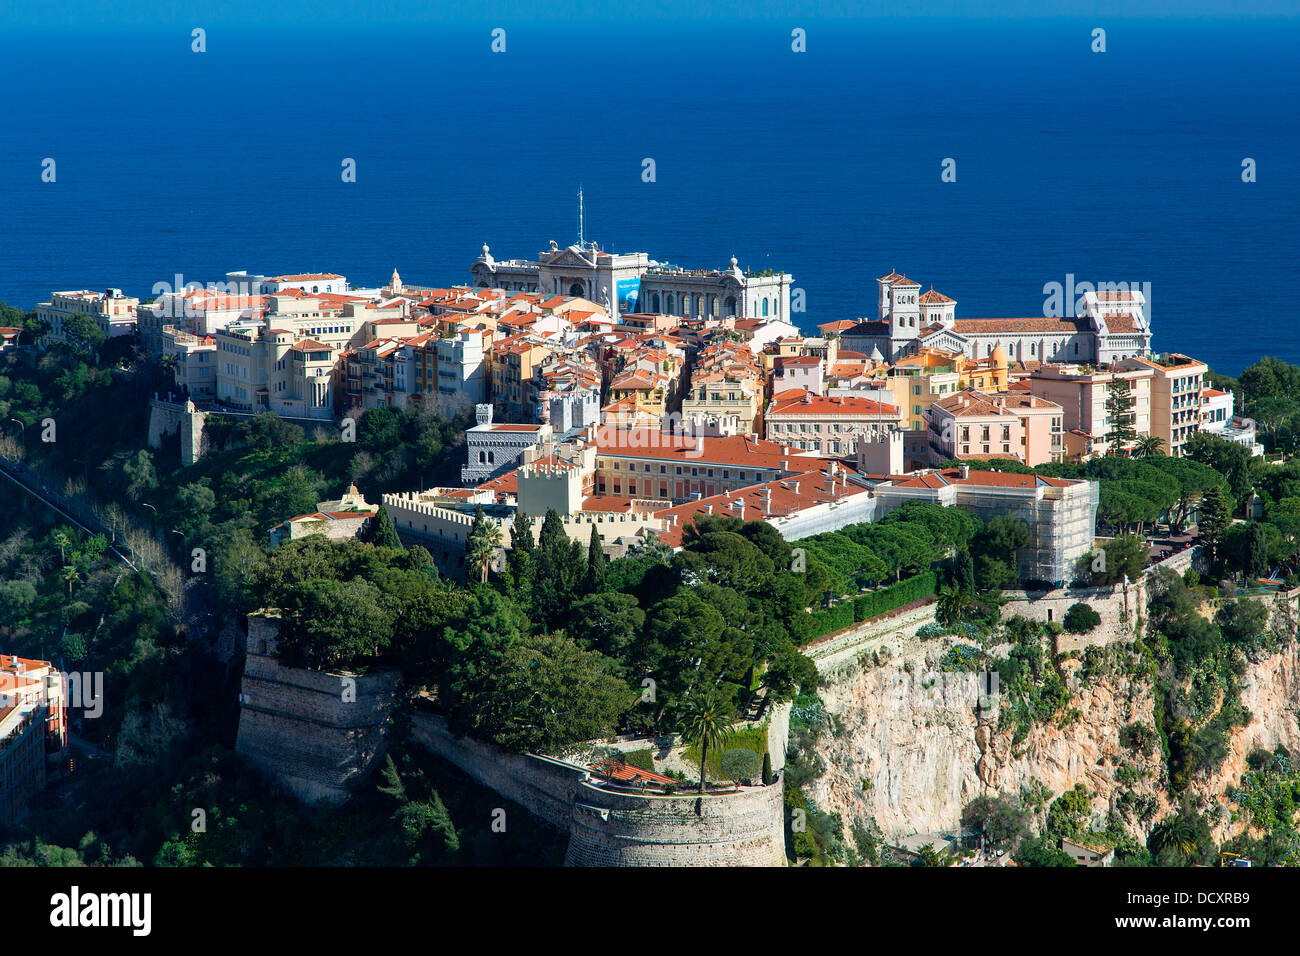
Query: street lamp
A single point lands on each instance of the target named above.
(154, 524)
(22, 427)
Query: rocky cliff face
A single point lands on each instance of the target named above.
(910, 747)
(913, 751)
(1271, 692)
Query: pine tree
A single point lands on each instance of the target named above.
(1119, 409)
(596, 562)
(1215, 515)
(383, 533)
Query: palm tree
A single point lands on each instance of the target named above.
(61, 541)
(1149, 446)
(954, 604)
(705, 724)
(483, 544)
(70, 575)
(1177, 835)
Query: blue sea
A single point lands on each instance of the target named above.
(1121, 166)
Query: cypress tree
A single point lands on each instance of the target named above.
(596, 562)
(383, 533)
(767, 769)
(965, 571)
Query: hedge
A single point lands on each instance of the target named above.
(866, 606)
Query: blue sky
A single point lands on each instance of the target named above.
(91, 14)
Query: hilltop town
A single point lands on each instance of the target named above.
(597, 530)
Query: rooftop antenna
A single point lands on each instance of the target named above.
(579, 215)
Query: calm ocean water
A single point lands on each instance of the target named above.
(1122, 166)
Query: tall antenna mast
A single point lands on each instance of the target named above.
(579, 215)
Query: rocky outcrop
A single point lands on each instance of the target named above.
(913, 748)
(1270, 690)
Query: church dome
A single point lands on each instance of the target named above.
(999, 356)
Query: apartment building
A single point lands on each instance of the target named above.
(113, 312)
(512, 362)
(1083, 393)
(194, 362)
(462, 369)
(266, 369)
(650, 463)
(33, 723)
(1176, 394)
(827, 425)
(973, 424)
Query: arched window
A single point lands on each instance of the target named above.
(731, 305)
(654, 303)
(669, 307)
(765, 306)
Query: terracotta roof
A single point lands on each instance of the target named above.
(771, 499)
(934, 298)
(628, 773)
(1063, 325)
(739, 450)
(800, 402)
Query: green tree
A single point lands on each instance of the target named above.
(999, 819)
(596, 562)
(383, 533)
(1081, 618)
(482, 545)
(994, 550)
(706, 723)
(83, 334)
(1149, 446)
(740, 763)
(545, 694)
(1215, 517)
(1119, 411)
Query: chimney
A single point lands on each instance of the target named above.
(964, 471)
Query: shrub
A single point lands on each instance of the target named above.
(1081, 618)
(740, 764)
(767, 769)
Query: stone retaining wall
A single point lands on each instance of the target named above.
(316, 733)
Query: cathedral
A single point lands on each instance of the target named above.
(1112, 327)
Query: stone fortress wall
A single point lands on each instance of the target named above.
(624, 827)
(313, 732)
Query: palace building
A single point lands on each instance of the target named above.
(1113, 327)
